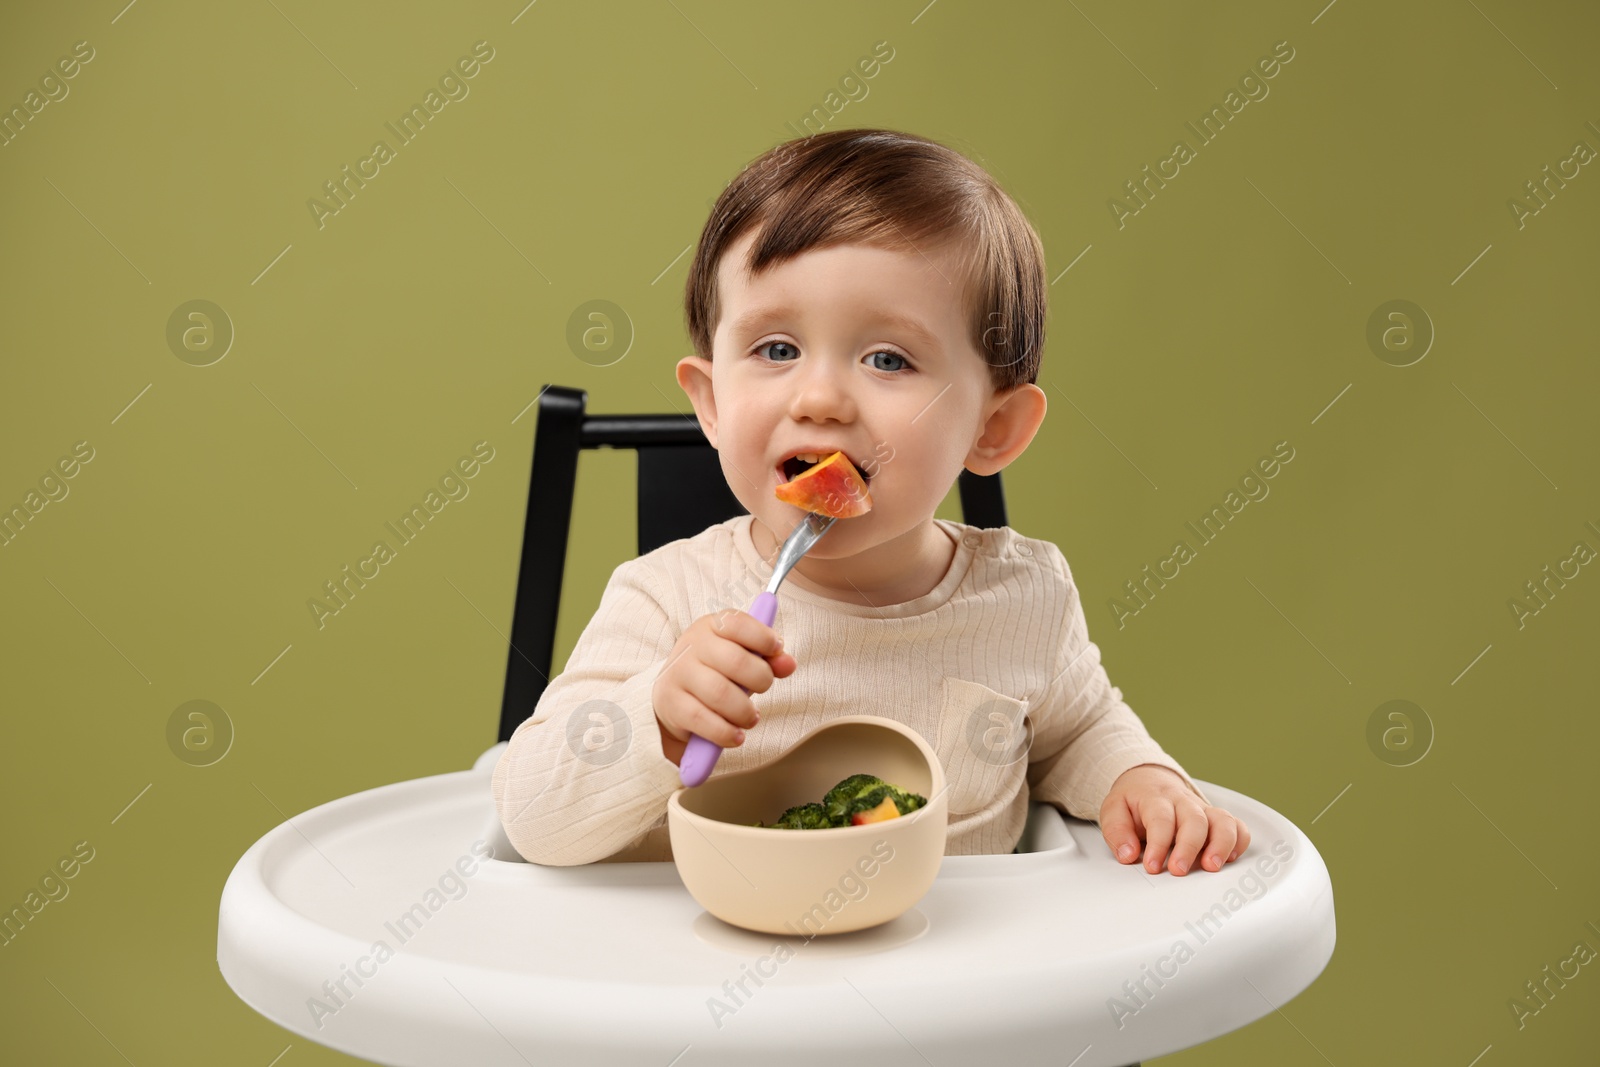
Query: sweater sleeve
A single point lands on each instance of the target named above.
(1085, 735)
(585, 776)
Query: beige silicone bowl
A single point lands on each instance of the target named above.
(806, 882)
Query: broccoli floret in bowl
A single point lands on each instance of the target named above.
(840, 796)
(811, 816)
(857, 793)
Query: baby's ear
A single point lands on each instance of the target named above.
(1013, 418)
(694, 376)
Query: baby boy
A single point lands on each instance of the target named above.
(877, 294)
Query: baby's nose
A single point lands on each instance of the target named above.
(822, 391)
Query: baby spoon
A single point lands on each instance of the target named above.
(700, 755)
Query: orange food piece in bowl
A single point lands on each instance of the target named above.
(883, 812)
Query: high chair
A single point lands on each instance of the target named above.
(400, 926)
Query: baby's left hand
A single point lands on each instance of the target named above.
(1155, 803)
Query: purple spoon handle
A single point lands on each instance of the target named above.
(700, 755)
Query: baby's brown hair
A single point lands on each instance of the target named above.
(889, 190)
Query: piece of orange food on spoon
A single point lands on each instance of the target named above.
(832, 487)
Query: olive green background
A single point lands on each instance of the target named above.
(1229, 314)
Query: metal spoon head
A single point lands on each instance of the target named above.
(806, 534)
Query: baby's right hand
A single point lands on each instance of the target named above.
(698, 691)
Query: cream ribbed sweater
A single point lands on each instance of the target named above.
(998, 649)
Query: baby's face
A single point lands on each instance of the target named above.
(853, 349)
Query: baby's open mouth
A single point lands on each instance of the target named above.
(794, 466)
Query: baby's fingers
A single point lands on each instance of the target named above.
(1160, 822)
(1192, 828)
(1116, 823)
(1224, 835)
(1243, 843)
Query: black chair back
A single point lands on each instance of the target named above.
(681, 492)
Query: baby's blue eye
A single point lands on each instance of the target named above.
(891, 355)
(775, 344)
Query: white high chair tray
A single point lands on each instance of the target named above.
(1032, 958)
